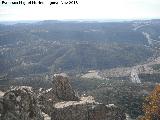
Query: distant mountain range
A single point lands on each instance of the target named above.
(39, 47)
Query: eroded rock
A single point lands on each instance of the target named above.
(57, 103)
(20, 103)
(86, 109)
(63, 89)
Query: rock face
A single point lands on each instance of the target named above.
(57, 103)
(62, 89)
(1, 103)
(20, 104)
(46, 99)
(86, 109)
(87, 112)
(134, 76)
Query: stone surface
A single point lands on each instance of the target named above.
(61, 91)
(46, 99)
(83, 100)
(1, 103)
(1, 94)
(62, 88)
(86, 111)
(70, 107)
(46, 116)
(20, 103)
(57, 103)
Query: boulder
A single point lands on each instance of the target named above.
(20, 103)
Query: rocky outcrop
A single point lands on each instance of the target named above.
(61, 103)
(86, 109)
(63, 89)
(57, 103)
(1, 103)
(134, 76)
(46, 99)
(20, 103)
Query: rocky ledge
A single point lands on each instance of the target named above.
(57, 103)
(86, 109)
(20, 103)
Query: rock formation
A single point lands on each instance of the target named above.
(20, 104)
(46, 99)
(63, 89)
(57, 103)
(86, 109)
(1, 103)
(83, 108)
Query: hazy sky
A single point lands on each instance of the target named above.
(86, 9)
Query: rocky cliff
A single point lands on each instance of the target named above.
(86, 109)
(57, 103)
(63, 89)
(72, 107)
(20, 103)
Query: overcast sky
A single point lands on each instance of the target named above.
(85, 9)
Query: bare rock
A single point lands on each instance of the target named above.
(46, 99)
(63, 89)
(46, 116)
(70, 107)
(86, 109)
(20, 103)
(1, 103)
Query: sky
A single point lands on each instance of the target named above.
(85, 9)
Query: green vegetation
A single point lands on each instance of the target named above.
(156, 67)
(128, 96)
(154, 77)
(29, 52)
(86, 84)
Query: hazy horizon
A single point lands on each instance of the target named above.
(80, 20)
(84, 10)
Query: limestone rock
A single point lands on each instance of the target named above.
(46, 99)
(20, 103)
(57, 103)
(1, 102)
(70, 107)
(46, 116)
(62, 89)
(86, 109)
